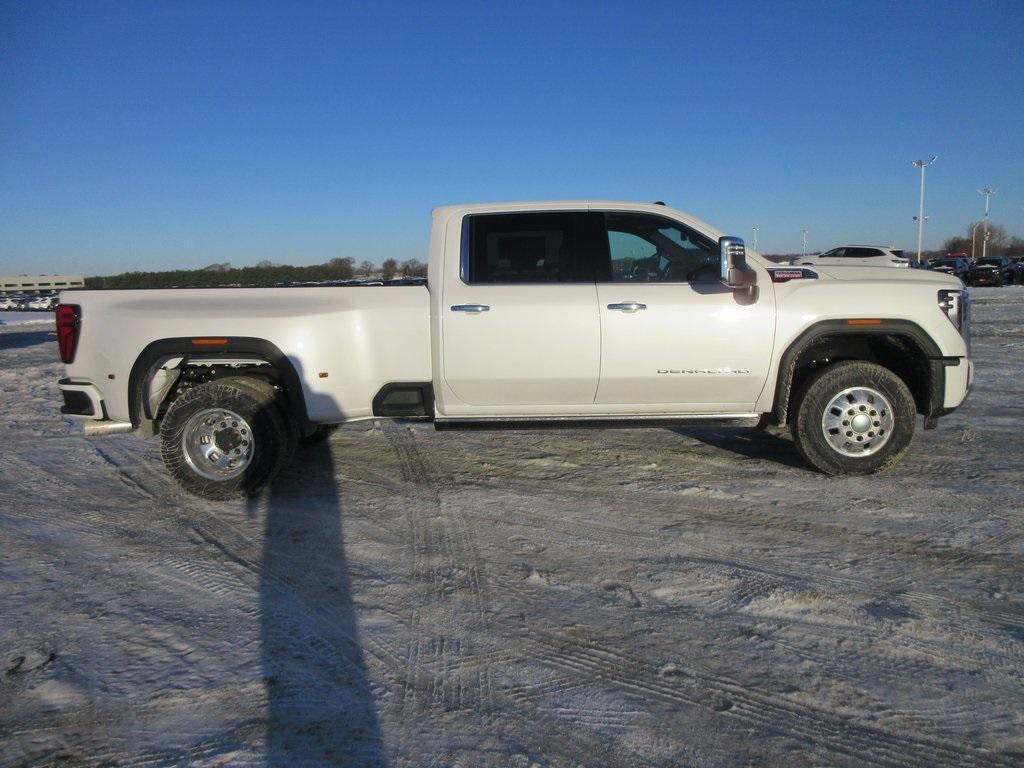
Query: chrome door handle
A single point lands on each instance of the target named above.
(628, 306)
(475, 308)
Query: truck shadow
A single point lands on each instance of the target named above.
(321, 708)
(22, 339)
(751, 443)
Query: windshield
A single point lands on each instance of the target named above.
(991, 262)
(944, 263)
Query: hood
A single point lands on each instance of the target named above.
(889, 275)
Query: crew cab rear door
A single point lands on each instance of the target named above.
(674, 339)
(519, 321)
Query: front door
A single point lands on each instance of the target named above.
(519, 324)
(674, 339)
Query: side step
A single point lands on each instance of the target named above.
(712, 420)
(405, 400)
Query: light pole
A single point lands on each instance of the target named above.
(755, 238)
(987, 192)
(974, 228)
(920, 207)
(803, 243)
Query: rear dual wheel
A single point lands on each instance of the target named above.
(226, 438)
(853, 418)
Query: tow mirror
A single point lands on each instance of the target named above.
(735, 273)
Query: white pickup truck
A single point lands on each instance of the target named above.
(534, 315)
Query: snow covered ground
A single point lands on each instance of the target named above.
(26, 318)
(402, 597)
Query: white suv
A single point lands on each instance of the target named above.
(863, 255)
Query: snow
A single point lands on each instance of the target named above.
(403, 597)
(26, 318)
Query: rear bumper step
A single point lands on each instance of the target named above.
(82, 400)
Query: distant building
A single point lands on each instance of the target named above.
(39, 283)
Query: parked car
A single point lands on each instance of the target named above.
(993, 270)
(8, 303)
(863, 255)
(957, 266)
(1018, 269)
(533, 315)
(42, 303)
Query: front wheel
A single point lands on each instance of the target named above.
(225, 438)
(853, 418)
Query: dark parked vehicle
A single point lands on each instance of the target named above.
(957, 266)
(993, 270)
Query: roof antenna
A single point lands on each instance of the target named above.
(659, 202)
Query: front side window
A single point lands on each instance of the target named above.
(646, 248)
(556, 247)
(835, 253)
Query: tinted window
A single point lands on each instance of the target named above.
(532, 248)
(646, 248)
(860, 253)
(833, 254)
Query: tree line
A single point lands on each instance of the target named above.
(1000, 243)
(263, 274)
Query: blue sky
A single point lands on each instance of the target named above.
(171, 135)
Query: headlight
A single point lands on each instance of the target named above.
(956, 305)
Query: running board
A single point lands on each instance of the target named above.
(576, 422)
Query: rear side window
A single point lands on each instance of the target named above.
(558, 247)
(860, 253)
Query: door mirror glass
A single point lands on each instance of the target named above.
(733, 258)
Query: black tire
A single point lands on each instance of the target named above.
(271, 440)
(319, 435)
(817, 394)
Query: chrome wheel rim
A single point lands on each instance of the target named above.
(857, 422)
(217, 443)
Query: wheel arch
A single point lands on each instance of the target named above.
(156, 353)
(902, 346)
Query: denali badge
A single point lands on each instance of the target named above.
(703, 371)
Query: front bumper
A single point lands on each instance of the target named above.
(959, 380)
(986, 278)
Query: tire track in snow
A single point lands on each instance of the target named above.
(444, 556)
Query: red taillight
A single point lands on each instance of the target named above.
(68, 317)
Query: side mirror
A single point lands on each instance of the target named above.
(735, 273)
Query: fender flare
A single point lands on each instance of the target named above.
(233, 346)
(886, 327)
